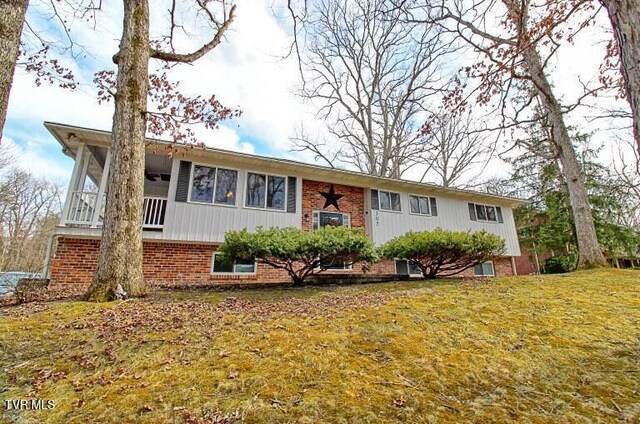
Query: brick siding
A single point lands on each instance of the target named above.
(170, 264)
(352, 202)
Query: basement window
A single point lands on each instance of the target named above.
(222, 267)
(484, 270)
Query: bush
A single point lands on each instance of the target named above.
(300, 253)
(559, 264)
(442, 252)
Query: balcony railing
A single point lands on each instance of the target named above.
(154, 209)
(81, 207)
(83, 204)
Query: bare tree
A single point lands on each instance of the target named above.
(625, 21)
(516, 48)
(372, 75)
(120, 256)
(454, 146)
(29, 209)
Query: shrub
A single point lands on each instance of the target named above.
(442, 252)
(559, 264)
(300, 253)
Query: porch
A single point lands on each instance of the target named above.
(84, 205)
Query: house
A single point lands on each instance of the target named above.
(193, 198)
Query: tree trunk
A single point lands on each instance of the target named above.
(589, 252)
(12, 14)
(120, 257)
(625, 21)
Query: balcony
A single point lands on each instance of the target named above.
(85, 202)
(83, 208)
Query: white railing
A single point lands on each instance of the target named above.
(81, 207)
(83, 204)
(153, 212)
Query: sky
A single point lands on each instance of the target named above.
(248, 70)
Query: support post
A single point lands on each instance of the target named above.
(73, 182)
(101, 190)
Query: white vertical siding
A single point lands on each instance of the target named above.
(453, 214)
(197, 222)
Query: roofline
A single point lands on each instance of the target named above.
(367, 180)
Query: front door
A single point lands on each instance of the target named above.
(333, 219)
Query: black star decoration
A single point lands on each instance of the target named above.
(331, 198)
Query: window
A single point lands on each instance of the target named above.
(333, 219)
(485, 213)
(224, 267)
(338, 264)
(266, 191)
(385, 200)
(213, 185)
(404, 267)
(421, 205)
(484, 269)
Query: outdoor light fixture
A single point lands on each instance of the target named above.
(306, 218)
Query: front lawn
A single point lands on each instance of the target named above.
(522, 349)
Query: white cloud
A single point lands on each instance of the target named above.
(247, 71)
(33, 156)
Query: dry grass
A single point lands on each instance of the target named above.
(527, 349)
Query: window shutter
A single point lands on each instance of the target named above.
(184, 174)
(472, 212)
(499, 212)
(375, 205)
(291, 194)
(434, 206)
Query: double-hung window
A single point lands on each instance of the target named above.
(266, 191)
(385, 200)
(213, 185)
(421, 205)
(221, 266)
(486, 213)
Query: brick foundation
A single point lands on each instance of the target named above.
(168, 264)
(164, 264)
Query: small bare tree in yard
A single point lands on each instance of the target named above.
(29, 210)
(120, 256)
(373, 77)
(454, 146)
(515, 40)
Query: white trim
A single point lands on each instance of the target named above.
(266, 185)
(415, 274)
(213, 262)
(215, 185)
(72, 183)
(418, 196)
(485, 206)
(319, 211)
(493, 270)
(389, 192)
(103, 185)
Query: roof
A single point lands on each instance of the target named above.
(63, 133)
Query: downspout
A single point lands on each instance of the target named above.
(513, 266)
(47, 256)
